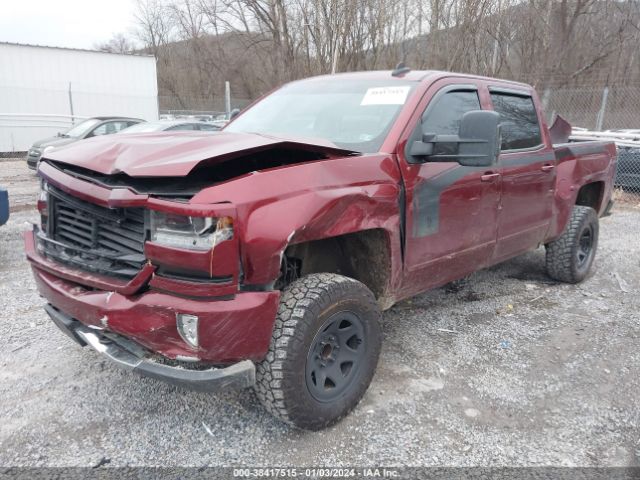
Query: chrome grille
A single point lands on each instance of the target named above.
(94, 238)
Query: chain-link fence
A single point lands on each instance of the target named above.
(205, 108)
(609, 113)
(608, 108)
(194, 103)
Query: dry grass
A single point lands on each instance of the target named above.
(626, 198)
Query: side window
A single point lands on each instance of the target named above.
(117, 126)
(444, 116)
(184, 126)
(108, 128)
(518, 121)
(99, 130)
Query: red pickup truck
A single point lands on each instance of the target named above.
(264, 255)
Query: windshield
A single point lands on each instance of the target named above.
(352, 114)
(146, 127)
(82, 128)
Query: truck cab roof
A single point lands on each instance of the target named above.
(411, 76)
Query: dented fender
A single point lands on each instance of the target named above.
(281, 207)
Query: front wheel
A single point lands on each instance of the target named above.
(323, 353)
(569, 258)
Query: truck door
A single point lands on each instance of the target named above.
(451, 210)
(527, 167)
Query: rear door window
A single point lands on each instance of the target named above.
(518, 121)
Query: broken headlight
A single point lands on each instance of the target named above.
(195, 233)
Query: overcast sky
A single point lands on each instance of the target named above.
(64, 23)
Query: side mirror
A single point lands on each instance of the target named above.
(476, 145)
(234, 113)
(479, 138)
(423, 148)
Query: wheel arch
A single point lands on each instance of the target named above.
(591, 195)
(364, 255)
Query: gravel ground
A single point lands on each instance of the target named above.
(505, 368)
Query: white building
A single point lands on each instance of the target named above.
(44, 90)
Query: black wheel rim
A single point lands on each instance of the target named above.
(335, 356)
(585, 246)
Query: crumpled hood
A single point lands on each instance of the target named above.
(173, 154)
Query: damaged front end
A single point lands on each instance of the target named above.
(135, 263)
(143, 279)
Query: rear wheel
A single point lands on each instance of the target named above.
(324, 351)
(569, 258)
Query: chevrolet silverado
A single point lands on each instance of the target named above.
(264, 255)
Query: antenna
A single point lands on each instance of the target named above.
(400, 70)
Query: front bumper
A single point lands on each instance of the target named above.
(230, 329)
(130, 356)
(32, 161)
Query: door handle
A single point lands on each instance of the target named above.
(547, 168)
(489, 177)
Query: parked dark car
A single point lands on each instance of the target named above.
(4, 206)
(92, 127)
(628, 173)
(171, 125)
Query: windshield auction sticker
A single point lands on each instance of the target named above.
(386, 95)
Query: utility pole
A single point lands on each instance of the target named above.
(73, 120)
(227, 99)
(603, 108)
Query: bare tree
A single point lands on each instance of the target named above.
(259, 44)
(119, 43)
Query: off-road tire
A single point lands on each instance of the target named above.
(305, 306)
(562, 259)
